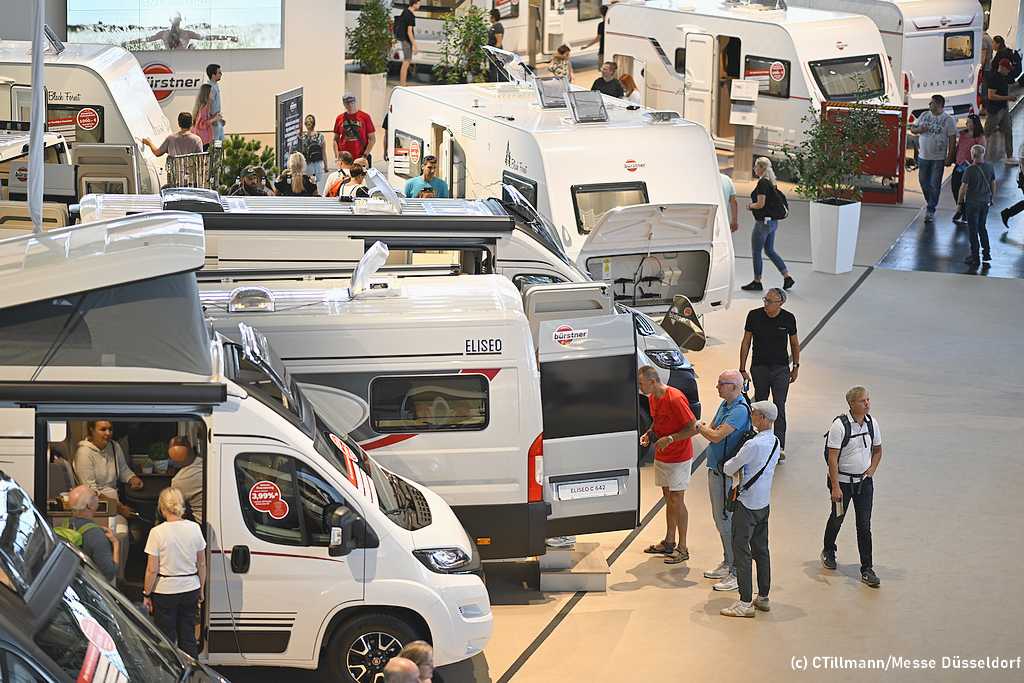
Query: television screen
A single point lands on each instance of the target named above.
(153, 25)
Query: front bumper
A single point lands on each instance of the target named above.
(472, 621)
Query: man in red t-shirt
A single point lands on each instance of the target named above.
(672, 425)
(353, 130)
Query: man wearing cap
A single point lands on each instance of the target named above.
(353, 131)
(251, 183)
(753, 469)
(999, 99)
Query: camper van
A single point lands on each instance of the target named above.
(371, 560)
(915, 33)
(636, 202)
(685, 55)
(464, 410)
(54, 606)
(99, 100)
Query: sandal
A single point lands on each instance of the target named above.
(660, 548)
(678, 556)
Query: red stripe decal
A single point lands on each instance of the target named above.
(298, 557)
(489, 373)
(389, 440)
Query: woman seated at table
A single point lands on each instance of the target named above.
(100, 464)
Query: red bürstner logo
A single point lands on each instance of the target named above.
(164, 81)
(632, 165)
(157, 69)
(566, 335)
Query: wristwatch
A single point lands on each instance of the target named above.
(796, 365)
(671, 438)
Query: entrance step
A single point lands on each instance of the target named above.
(580, 568)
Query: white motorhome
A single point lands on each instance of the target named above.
(317, 555)
(519, 409)
(934, 47)
(636, 203)
(685, 55)
(98, 99)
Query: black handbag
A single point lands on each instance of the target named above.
(734, 492)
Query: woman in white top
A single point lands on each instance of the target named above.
(630, 92)
(176, 573)
(100, 464)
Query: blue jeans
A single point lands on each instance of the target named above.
(976, 214)
(763, 238)
(929, 173)
(723, 520)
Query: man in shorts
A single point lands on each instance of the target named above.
(672, 426)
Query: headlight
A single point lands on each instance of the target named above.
(668, 359)
(443, 560)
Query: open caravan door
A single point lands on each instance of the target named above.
(648, 253)
(588, 367)
(700, 79)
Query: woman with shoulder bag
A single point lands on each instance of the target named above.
(175, 573)
(970, 136)
(765, 203)
(311, 144)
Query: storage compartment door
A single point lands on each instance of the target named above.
(17, 447)
(591, 446)
(700, 78)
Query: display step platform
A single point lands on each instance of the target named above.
(580, 568)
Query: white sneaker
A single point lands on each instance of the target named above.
(762, 604)
(720, 572)
(738, 609)
(729, 583)
(561, 541)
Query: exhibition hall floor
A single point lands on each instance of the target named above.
(940, 353)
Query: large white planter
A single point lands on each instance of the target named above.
(834, 231)
(372, 93)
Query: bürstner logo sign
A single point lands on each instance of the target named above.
(164, 81)
(566, 335)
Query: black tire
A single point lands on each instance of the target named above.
(359, 650)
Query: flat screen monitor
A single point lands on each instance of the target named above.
(587, 106)
(552, 92)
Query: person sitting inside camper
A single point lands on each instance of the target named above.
(100, 464)
(98, 542)
(426, 193)
(607, 83)
(189, 478)
(428, 179)
(182, 142)
(250, 185)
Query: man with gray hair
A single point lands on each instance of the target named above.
(401, 670)
(98, 542)
(731, 421)
(770, 328)
(976, 191)
(753, 469)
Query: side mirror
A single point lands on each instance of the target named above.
(346, 527)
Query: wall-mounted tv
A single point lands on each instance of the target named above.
(156, 25)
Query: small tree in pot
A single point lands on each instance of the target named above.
(463, 58)
(827, 165)
(369, 43)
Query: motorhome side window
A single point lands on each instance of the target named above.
(772, 75)
(593, 201)
(509, 9)
(408, 155)
(283, 500)
(958, 46)
(595, 396)
(78, 124)
(849, 78)
(680, 60)
(588, 9)
(429, 403)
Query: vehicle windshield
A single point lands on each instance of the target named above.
(850, 78)
(94, 627)
(533, 223)
(592, 202)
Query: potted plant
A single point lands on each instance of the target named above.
(369, 43)
(827, 165)
(463, 58)
(238, 153)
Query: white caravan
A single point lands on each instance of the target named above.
(317, 555)
(519, 409)
(636, 203)
(685, 54)
(99, 99)
(934, 47)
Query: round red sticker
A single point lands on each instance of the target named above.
(96, 634)
(157, 69)
(88, 118)
(265, 496)
(632, 165)
(414, 153)
(777, 71)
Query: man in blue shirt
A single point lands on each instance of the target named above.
(754, 469)
(413, 186)
(731, 421)
(214, 73)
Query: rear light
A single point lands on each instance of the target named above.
(912, 118)
(535, 470)
(906, 86)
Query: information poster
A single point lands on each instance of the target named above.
(289, 124)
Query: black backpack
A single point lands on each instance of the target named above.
(848, 432)
(779, 210)
(744, 436)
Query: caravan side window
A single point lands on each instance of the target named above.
(408, 156)
(771, 74)
(283, 500)
(680, 60)
(588, 10)
(958, 46)
(429, 403)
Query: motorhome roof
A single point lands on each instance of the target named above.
(753, 13)
(518, 108)
(420, 303)
(97, 57)
(86, 257)
(14, 143)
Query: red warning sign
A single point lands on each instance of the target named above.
(414, 153)
(88, 118)
(265, 496)
(777, 72)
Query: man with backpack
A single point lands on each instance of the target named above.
(853, 449)
(98, 542)
(728, 429)
(998, 119)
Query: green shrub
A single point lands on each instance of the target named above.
(370, 40)
(463, 58)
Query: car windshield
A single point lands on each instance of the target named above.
(850, 78)
(94, 628)
(533, 223)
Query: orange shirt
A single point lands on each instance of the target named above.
(671, 413)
